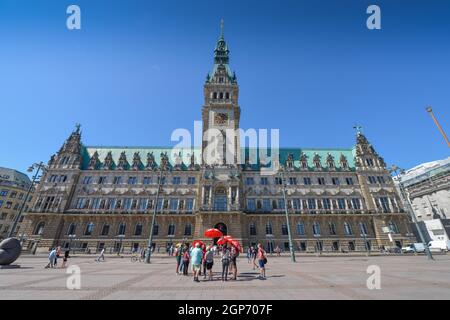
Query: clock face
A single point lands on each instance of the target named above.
(221, 118)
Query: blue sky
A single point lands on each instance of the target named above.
(135, 72)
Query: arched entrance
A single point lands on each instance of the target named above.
(222, 227)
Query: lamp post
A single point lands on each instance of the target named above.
(286, 211)
(395, 169)
(318, 248)
(120, 236)
(38, 166)
(364, 236)
(155, 209)
(71, 237)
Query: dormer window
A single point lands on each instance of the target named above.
(215, 95)
(220, 79)
(227, 95)
(221, 95)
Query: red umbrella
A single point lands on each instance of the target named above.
(221, 241)
(236, 244)
(197, 241)
(213, 233)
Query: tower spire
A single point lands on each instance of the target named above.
(221, 28)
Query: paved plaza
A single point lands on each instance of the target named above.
(345, 277)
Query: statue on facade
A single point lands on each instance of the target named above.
(137, 163)
(150, 161)
(109, 162)
(123, 163)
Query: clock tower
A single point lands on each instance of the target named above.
(221, 112)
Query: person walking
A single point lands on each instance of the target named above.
(186, 258)
(51, 259)
(209, 261)
(254, 255)
(66, 256)
(249, 254)
(101, 256)
(262, 260)
(225, 262)
(203, 261)
(234, 253)
(58, 254)
(178, 255)
(196, 258)
(278, 251)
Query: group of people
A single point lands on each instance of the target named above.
(53, 256)
(201, 258)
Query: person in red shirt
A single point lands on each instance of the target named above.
(262, 260)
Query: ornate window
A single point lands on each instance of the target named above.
(138, 229)
(122, 228)
(393, 227)
(105, 230)
(89, 229)
(155, 229)
(39, 229)
(316, 228)
(72, 228)
(252, 227)
(171, 230)
(363, 228)
(332, 228)
(347, 229)
(188, 229)
(269, 228)
(300, 229)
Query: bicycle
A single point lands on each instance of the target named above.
(136, 258)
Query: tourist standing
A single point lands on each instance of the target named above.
(262, 260)
(209, 260)
(58, 254)
(225, 262)
(278, 251)
(204, 261)
(178, 254)
(234, 253)
(66, 256)
(196, 259)
(186, 258)
(254, 255)
(51, 259)
(249, 254)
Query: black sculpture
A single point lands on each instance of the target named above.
(10, 250)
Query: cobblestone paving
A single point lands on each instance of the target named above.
(402, 277)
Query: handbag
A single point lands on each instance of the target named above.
(265, 260)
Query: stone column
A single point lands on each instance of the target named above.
(229, 198)
(210, 198)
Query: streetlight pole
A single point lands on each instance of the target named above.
(152, 226)
(71, 237)
(40, 166)
(120, 236)
(365, 243)
(395, 169)
(286, 211)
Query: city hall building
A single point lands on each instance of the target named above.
(340, 199)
